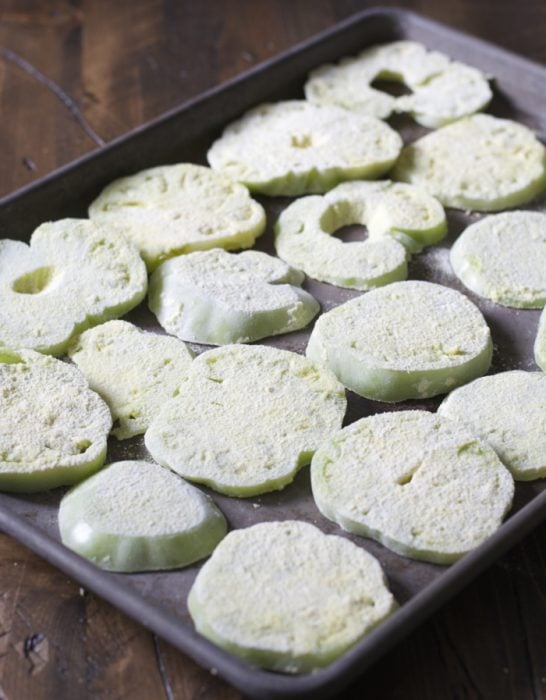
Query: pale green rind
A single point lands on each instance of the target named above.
(406, 213)
(302, 241)
(442, 91)
(316, 180)
(176, 209)
(44, 479)
(540, 343)
(263, 484)
(503, 258)
(267, 658)
(508, 411)
(408, 340)
(348, 83)
(53, 428)
(138, 516)
(399, 217)
(135, 372)
(286, 597)
(457, 92)
(75, 274)
(422, 485)
(247, 419)
(294, 147)
(218, 298)
(479, 163)
(392, 386)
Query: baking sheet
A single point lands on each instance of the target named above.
(158, 599)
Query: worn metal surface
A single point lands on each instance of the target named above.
(158, 599)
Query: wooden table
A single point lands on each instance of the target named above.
(74, 75)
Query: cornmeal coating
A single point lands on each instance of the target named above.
(284, 596)
(408, 340)
(247, 418)
(479, 163)
(295, 147)
(137, 516)
(74, 274)
(422, 485)
(53, 428)
(174, 209)
(218, 298)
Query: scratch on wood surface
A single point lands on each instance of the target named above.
(9, 607)
(470, 683)
(4, 628)
(62, 96)
(162, 670)
(21, 614)
(525, 639)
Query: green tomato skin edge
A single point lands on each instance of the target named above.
(391, 386)
(269, 658)
(43, 480)
(127, 554)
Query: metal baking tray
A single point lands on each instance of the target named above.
(158, 600)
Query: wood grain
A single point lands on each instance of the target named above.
(74, 74)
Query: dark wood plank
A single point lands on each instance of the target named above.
(56, 641)
(76, 73)
(42, 123)
(484, 644)
(184, 679)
